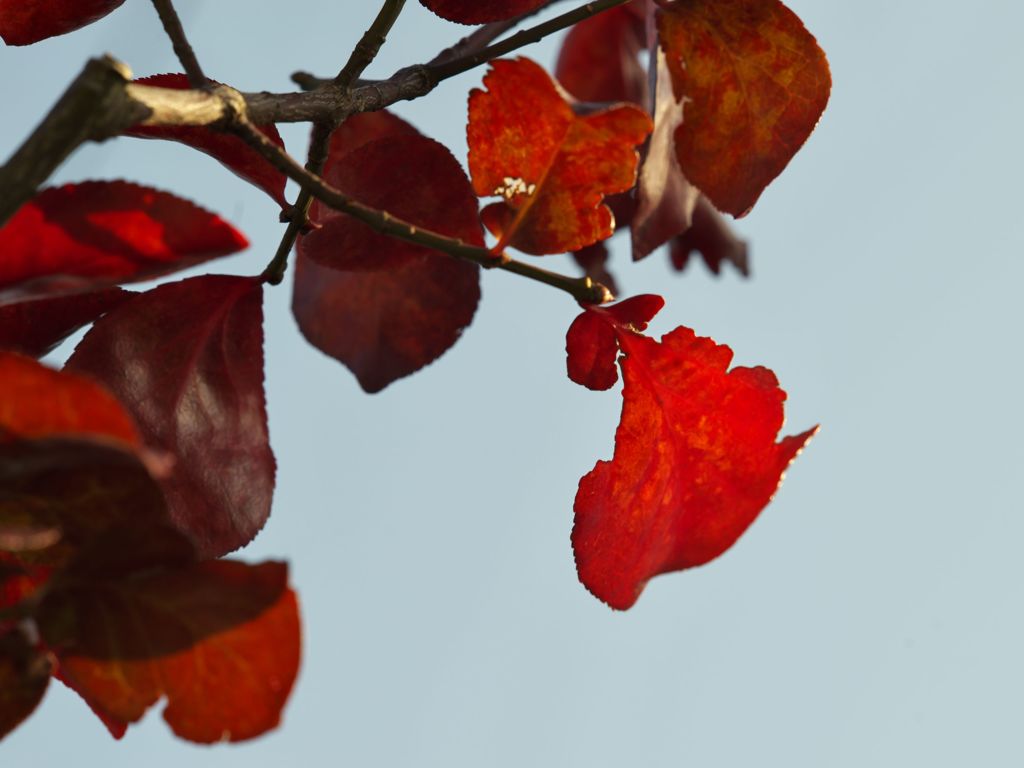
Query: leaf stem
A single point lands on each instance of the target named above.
(179, 40)
(583, 289)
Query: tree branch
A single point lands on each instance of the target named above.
(182, 49)
(583, 289)
(369, 44)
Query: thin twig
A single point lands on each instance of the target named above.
(369, 44)
(525, 37)
(182, 49)
(484, 35)
(583, 289)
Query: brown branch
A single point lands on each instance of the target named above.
(583, 289)
(179, 40)
(369, 44)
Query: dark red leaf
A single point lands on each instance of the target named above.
(664, 197)
(383, 307)
(696, 460)
(220, 640)
(600, 57)
(186, 359)
(28, 21)
(755, 83)
(481, 11)
(24, 677)
(552, 167)
(37, 402)
(711, 236)
(81, 237)
(37, 326)
(229, 150)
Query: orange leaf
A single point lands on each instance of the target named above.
(220, 640)
(696, 458)
(754, 83)
(552, 166)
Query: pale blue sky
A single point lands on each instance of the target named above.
(871, 616)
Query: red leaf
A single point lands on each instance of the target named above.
(695, 462)
(37, 402)
(28, 21)
(186, 359)
(755, 83)
(36, 327)
(362, 129)
(383, 307)
(24, 677)
(220, 640)
(82, 237)
(552, 166)
(229, 150)
(600, 57)
(481, 11)
(711, 236)
(591, 345)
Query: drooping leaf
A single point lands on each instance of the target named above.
(591, 345)
(24, 677)
(600, 57)
(186, 360)
(82, 237)
(755, 83)
(228, 149)
(37, 402)
(35, 327)
(383, 307)
(711, 236)
(696, 460)
(220, 640)
(665, 198)
(28, 21)
(481, 11)
(552, 166)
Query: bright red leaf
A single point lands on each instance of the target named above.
(481, 11)
(24, 677)
(220, 640)
(36, 326)
(600, 57)
(186, 360)
(82, 237)
(591, 345)
(696, 459)
(229, 150)
(383, 307)
(755, 83)
(552, 166)
(37, 402)
(28, 21)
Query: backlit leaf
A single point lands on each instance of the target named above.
(228, 149)
(220, 640)
(481, 11)
(755, 83)
(383, 307)
(696, 460)
(28, 21)
(600, 57)
(36, 326)
(83, 237)
(552, 166)
(186, 360)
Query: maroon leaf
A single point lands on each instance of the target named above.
(600, 57)
(229, 150)
(383, 307)
(36, 326)
(28, 21)
(713, 238)
(81, 237)
(24, 677)
(481, 11)
(186, 359)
